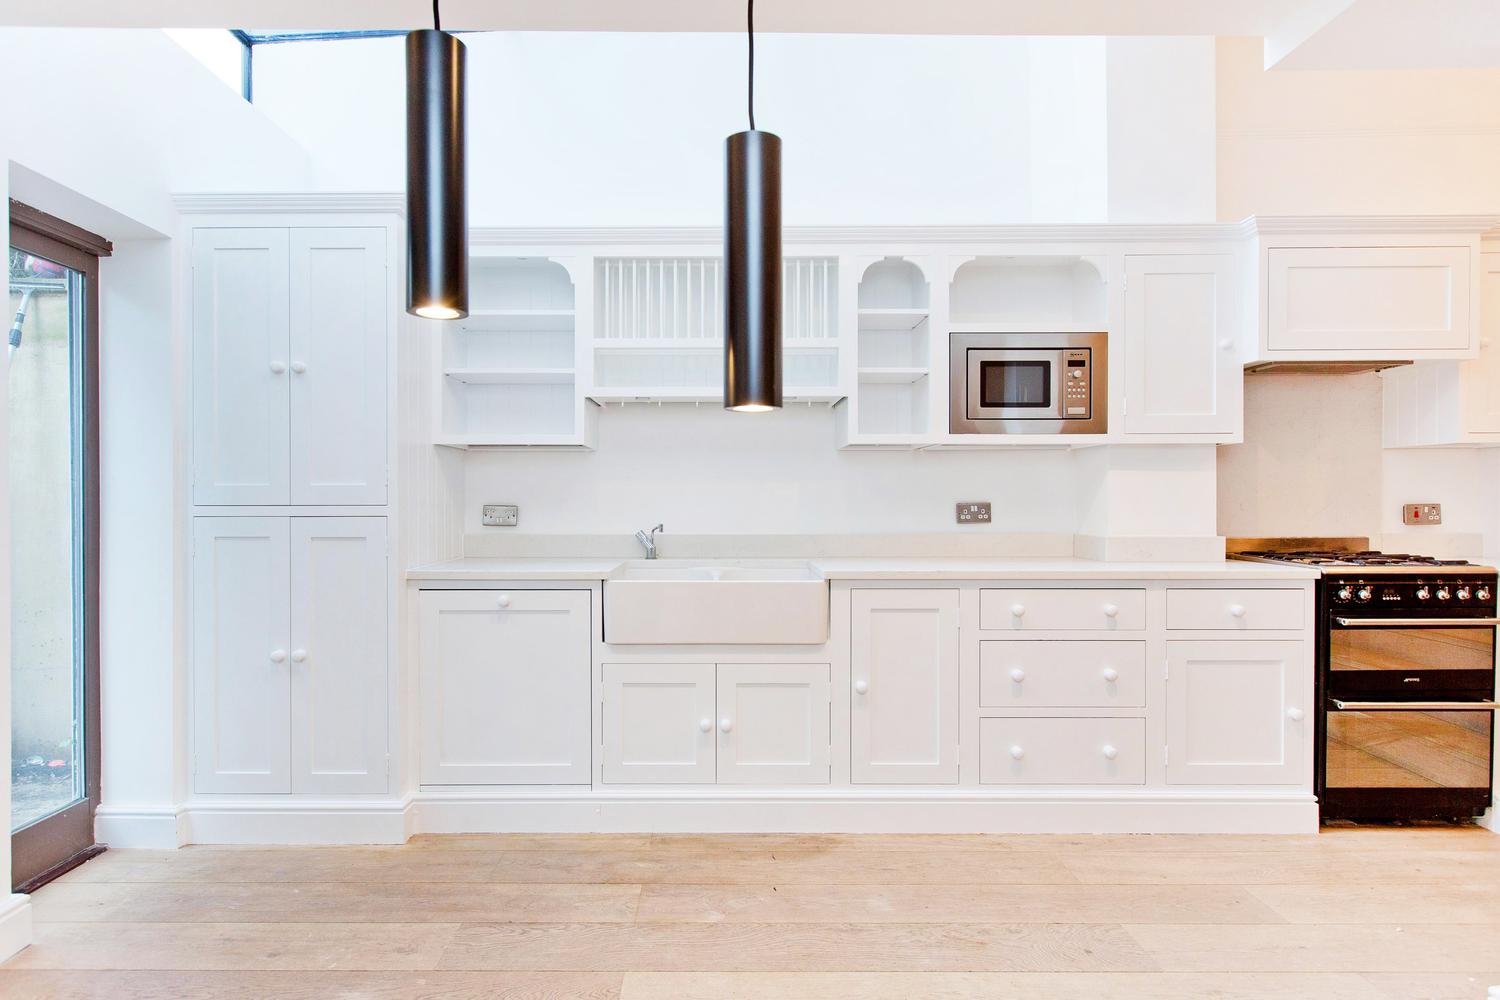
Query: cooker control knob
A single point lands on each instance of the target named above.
(1345, 593)
(1483, 593)
(1365, 594)
(1443, 593)
(1423, 592)
(1463, 593)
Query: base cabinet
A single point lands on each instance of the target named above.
(504, 685)
(731, 723)
(289, 655)
(1234, 712)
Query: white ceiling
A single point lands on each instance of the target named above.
(1299, 34)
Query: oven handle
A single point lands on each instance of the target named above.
(1416, 706)
(1414, 622)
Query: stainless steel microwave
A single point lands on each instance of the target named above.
(1028, 383)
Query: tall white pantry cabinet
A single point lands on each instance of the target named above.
(291, 325)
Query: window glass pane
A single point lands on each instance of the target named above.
(46, 301)
(217, 49)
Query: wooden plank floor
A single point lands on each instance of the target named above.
(1357, 914)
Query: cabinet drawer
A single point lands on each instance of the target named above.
(1062, 751)
(1036, 610)
(1031, 673)
(1242, 610)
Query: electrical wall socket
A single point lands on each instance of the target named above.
(500, 515)
(973, 512)
(1422, 513)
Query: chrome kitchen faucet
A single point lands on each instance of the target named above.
(648, 541)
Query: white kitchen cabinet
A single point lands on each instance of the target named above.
(1062, 673)
(1182, 366)
(1040, 609)
(904, 672)
(1039, 751)
(241, 389)
(659, 723)
(1368, 302)
(773, 723)
(505, 686)
(289, 366)
(289, 654)
(1236, 713)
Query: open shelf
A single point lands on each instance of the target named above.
(511, 376)
(894, 376)
(895, 320)
(517, 320)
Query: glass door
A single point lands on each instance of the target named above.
(52, 457)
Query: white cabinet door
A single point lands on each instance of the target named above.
(904, 670)
(1481, 377)
(505, 687)
(773, 723)
(241, 660)
(1369, 302)
(241, 370)
(1239, 712)
(337, 366)
(659, 723)
(339, 688)
(1182, 371)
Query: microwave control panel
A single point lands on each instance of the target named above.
(1075, 384)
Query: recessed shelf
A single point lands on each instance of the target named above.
(511, 376)
(568, 441)
(518, 320)
(896, 376)
(892, 319)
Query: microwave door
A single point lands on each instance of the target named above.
(1014, 385)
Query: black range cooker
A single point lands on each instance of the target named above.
(1406, 677)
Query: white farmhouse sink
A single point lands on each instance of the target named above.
(673, 602)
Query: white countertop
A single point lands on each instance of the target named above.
(523, 570)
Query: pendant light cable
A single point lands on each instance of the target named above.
(437, 21)
(750, 37)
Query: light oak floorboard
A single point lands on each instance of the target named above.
(1321, 948)
(45, 985)
(1402, 866)
(1443, 986)
(1353, 903)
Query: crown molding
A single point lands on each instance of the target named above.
(862, 235)
(1352, 224)
(282, 203)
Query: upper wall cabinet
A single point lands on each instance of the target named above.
(1182, 373)
(893, 355)
(289, 337)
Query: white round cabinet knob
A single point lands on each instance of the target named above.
(278, 656)
(726, 724)
(1110, 753)
(1018, 610)
(706, 725)
(1111, 610)
(1226, 343)
(1111, 674)
(1237, 610)
(503, 600)
(1018, 675)
(277, 367)
(1295, 714)
(861, 686)
(298, 367)
(1017, 752)
(299, 656)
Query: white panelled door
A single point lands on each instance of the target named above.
(904, 671)
(339, 689)
(241, 660)
(1236, 713)
(1182, 369)
(773, 723)
(241, 370)
(337, 366)
(659, 723)
(505, 687)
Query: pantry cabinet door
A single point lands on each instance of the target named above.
(904, 672)
(241, 660)
(241, 373)
(1182, 371)
(505, 687)
(340, 688)
(773, 723)
(1238, 712)
(339, 331)
(658, 723)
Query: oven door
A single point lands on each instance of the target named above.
(1411, 659)
(1014, 384)
(1408, 760)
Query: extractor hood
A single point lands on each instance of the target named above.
(1320, 367)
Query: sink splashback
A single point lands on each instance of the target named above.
(496, 544)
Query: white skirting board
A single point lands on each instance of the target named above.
(15, 924)
(149, 827)
(584, 810)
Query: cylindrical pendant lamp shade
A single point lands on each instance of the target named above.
(437, 211)
(752, 271)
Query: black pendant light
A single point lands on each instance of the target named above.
(437, 211)
(752, 260)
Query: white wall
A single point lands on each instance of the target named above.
(1161, 129)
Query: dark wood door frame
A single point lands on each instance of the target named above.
(64, 840)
